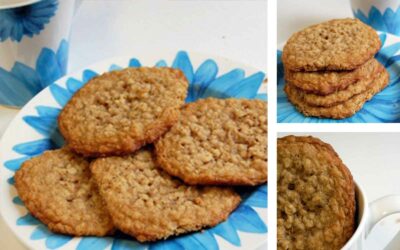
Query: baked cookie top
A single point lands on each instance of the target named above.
(341, 110)
(339, 44)
(329, 82)
(217, 141)
(56, 187)
(316, 195)
(147, 203)
(120, 111)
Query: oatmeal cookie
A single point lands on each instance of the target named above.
(316, 196)
(343, 109)
(57, 188)
(217, 141)
(336, 97)
(120, 111)
(148, 204)
(340, 44)
(329, 82)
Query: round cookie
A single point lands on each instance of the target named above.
(120, 111)
(217, 142)
(339, 44)
(316, 196)
(56, 187)
(148, 204)
(336, 97)
(343, 109)
(329, 82)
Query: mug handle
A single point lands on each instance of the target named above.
(381, 208)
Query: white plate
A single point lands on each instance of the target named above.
(35, 129)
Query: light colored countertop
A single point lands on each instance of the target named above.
(108, 28)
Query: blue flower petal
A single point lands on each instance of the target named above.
(222, 83)
(166, 245)
(15, 164)
(43, 125)
(33, 148)
(55, 241)
(247, 220)
(199, 241)
(246, 88)
(205, 74)
(263, 97)
(48, 68)
(62, 56)
(27, 220)
(48, 111)
(183, 63)
(60, 94)
(98, 243)
(41, 232)
(13, 92)
(227, 231)
(74, 85)
(11, 181)
(134, 63)
(28, 76)
(16, 200)
(88, 75)
(258, 198)
(120, 244)
(115, 67)
(161, 63)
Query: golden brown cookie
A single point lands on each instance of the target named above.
(341, 110)
(329, 82)
(217, 141)
(119, 112)
(316, 196)
(339, 44)
(148, 204)
(56, 187)
(336, 97)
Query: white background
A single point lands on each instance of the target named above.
(107, 28)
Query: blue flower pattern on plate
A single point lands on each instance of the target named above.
(204, 82)
(383, 107)
(387, 22)
(22, 82)
(27, 20)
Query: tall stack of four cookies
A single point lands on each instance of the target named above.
(330, 71)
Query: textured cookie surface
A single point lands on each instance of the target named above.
(343, 109)
(147, 203)
(120, 111)
(316, 196)
(328, 82)
(57, 188)
(217, 141)
(340, 44)
(336, 97)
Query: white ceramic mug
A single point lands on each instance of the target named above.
(368, 215)
(34, 42)
(382, 15)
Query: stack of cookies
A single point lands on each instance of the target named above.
(330, 70)
(138, 160)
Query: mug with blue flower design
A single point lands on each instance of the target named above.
(382, 15)
(34, 37)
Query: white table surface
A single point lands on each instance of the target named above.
(107, 28)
